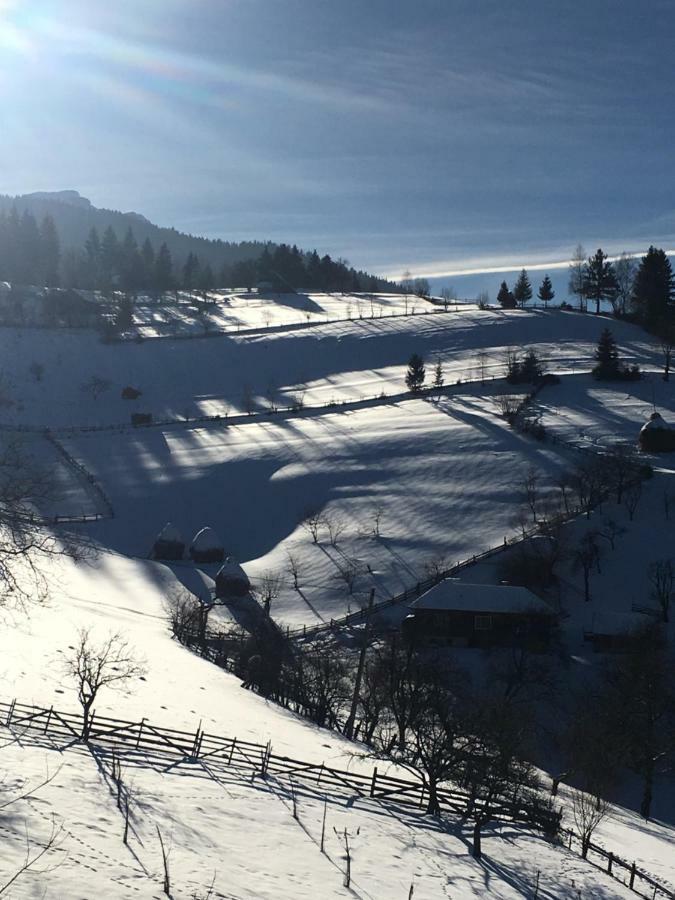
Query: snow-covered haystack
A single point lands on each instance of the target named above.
(169, 543)
(231, 580)
(657, 435)
(206, 547)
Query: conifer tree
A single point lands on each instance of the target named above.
(416, 373)
(163, 275)
(546, 292)
(654, 287)
(50, 252)
(505, 297)
(110, 259)
(92, 250)
(438, 374)
(599, 281)
(523, 289)
(606, 355)
(190, 272)
(148, 258)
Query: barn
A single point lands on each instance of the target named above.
(206, 547)
(479, 615)
(169, 544)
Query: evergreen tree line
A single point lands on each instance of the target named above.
(643, 290)
(30, 253)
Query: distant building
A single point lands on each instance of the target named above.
(169, 544)
(610, 631)
(206, 547)
(479, 615)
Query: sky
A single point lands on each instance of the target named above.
(438, 136)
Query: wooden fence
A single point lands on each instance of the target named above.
(142, 741)
(148, 740)
(628, 873)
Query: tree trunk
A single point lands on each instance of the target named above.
(646, 805)
(433, 806)
(477, 851)
(587, 591)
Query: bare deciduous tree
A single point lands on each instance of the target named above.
(293, 568)
(111, 663)
(270, 588)
(95, 386)
(586, 557)
(313, 522)
(588, 813)
(336, 526)
(661, 575)
(631, 498)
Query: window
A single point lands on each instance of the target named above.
(482, 623)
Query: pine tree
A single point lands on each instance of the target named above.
(92, 249)
(599, 281)
(190, 272)
(438, 374)
(607, 356)
(654, 287)
(505, 297)
(148, 258)
(546, 292)
(523, 289)
(50, 252)
(416, 373)
(131, 264)
(28, 250)
(163, 275)
(110, 259)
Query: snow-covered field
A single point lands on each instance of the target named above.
(348, 360)
(234, 831)
(446, 474)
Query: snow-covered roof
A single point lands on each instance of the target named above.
(206, 539)
(656, 423)
(486, 598)
(170, 534)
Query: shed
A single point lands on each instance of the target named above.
(656, 435)
(231, 580)
(206, 547)
(611, 631)
(169, 543)
(479, 615)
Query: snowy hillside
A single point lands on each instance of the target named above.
(405, 485)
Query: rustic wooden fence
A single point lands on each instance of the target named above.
(628, 873)
(149, 741)
(142, 741)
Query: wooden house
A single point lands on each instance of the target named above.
(479, 615)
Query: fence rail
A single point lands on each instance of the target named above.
(250, 757)
(144, 738)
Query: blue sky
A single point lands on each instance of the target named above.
(434, 135)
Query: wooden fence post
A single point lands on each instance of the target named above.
(372, 783)
(140, 732)
(10, 712)
(610, 860)
(632, 877)
(234, 744)
(49, 718)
